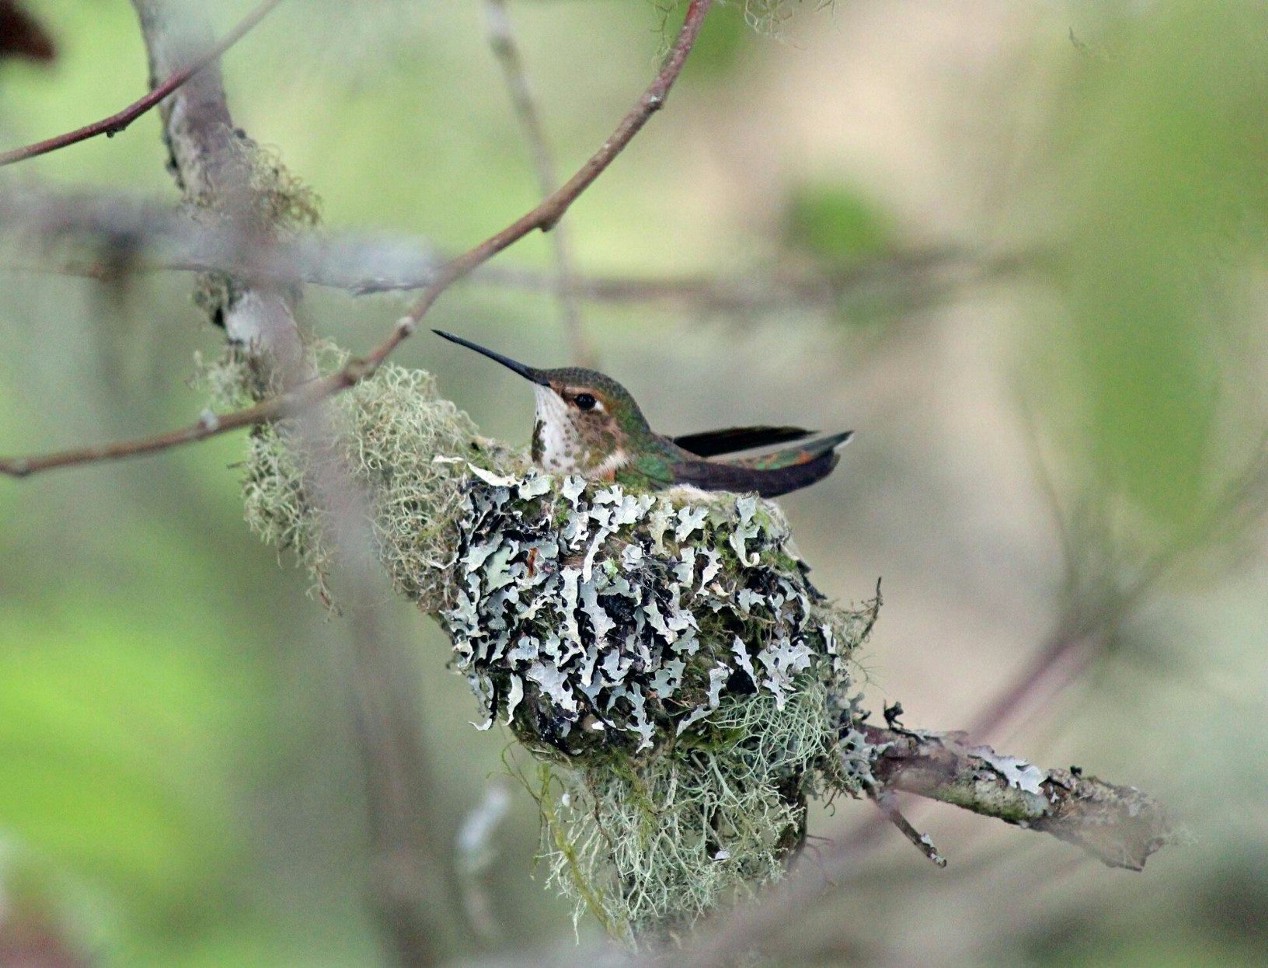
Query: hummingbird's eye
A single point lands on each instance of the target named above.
(585, 401)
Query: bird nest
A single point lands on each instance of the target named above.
(683, 686)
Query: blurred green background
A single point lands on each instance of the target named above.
(1035, 233)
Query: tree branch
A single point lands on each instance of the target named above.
(160, 239)
(1120, 826)
(502, 40)
(214, 164)
(112, 125)
(208, 425)
(542, 217)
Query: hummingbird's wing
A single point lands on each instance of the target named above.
(768, 474)
(711, 443)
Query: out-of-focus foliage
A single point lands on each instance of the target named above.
(102, 727)
(1153, 212)
(835, 226)
(178, 780)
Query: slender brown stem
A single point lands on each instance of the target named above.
(115, 123)
(356, 265)
(543, 216)
(208, 425)
(887, 803)
(505, 48)
(552, 208)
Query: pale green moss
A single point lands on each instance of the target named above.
(393, 434)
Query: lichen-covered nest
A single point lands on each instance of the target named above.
(682, 684)
(597, 620)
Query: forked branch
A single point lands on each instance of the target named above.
(1120, 826)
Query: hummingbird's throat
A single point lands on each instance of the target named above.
(562, 446)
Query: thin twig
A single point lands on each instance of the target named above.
(163, 239)
(1083, 633)
(505, 48)
(208, 425)
(115, 123)
(887, 803)
(370, 266)
(543, 217)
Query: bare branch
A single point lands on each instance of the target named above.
(117, 122)
(154, 237)
(502, 40)
(1120, 826)
(1090, 621)
(542, 217)
(208, 425)
(135, 234)
(935, 267)
(888, 805)
(158, 238)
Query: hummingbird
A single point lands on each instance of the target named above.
(589, 424)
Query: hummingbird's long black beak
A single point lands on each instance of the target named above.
(527, 372)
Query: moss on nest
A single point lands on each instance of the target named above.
(684, 685)
(664, 655)
(393, 434)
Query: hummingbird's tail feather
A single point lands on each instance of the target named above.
(791, 456)
(770, 475)
(712, 443)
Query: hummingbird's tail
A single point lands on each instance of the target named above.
(768, 474)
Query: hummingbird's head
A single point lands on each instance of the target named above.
(586, 421)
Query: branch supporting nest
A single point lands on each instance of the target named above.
(1119, 825)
